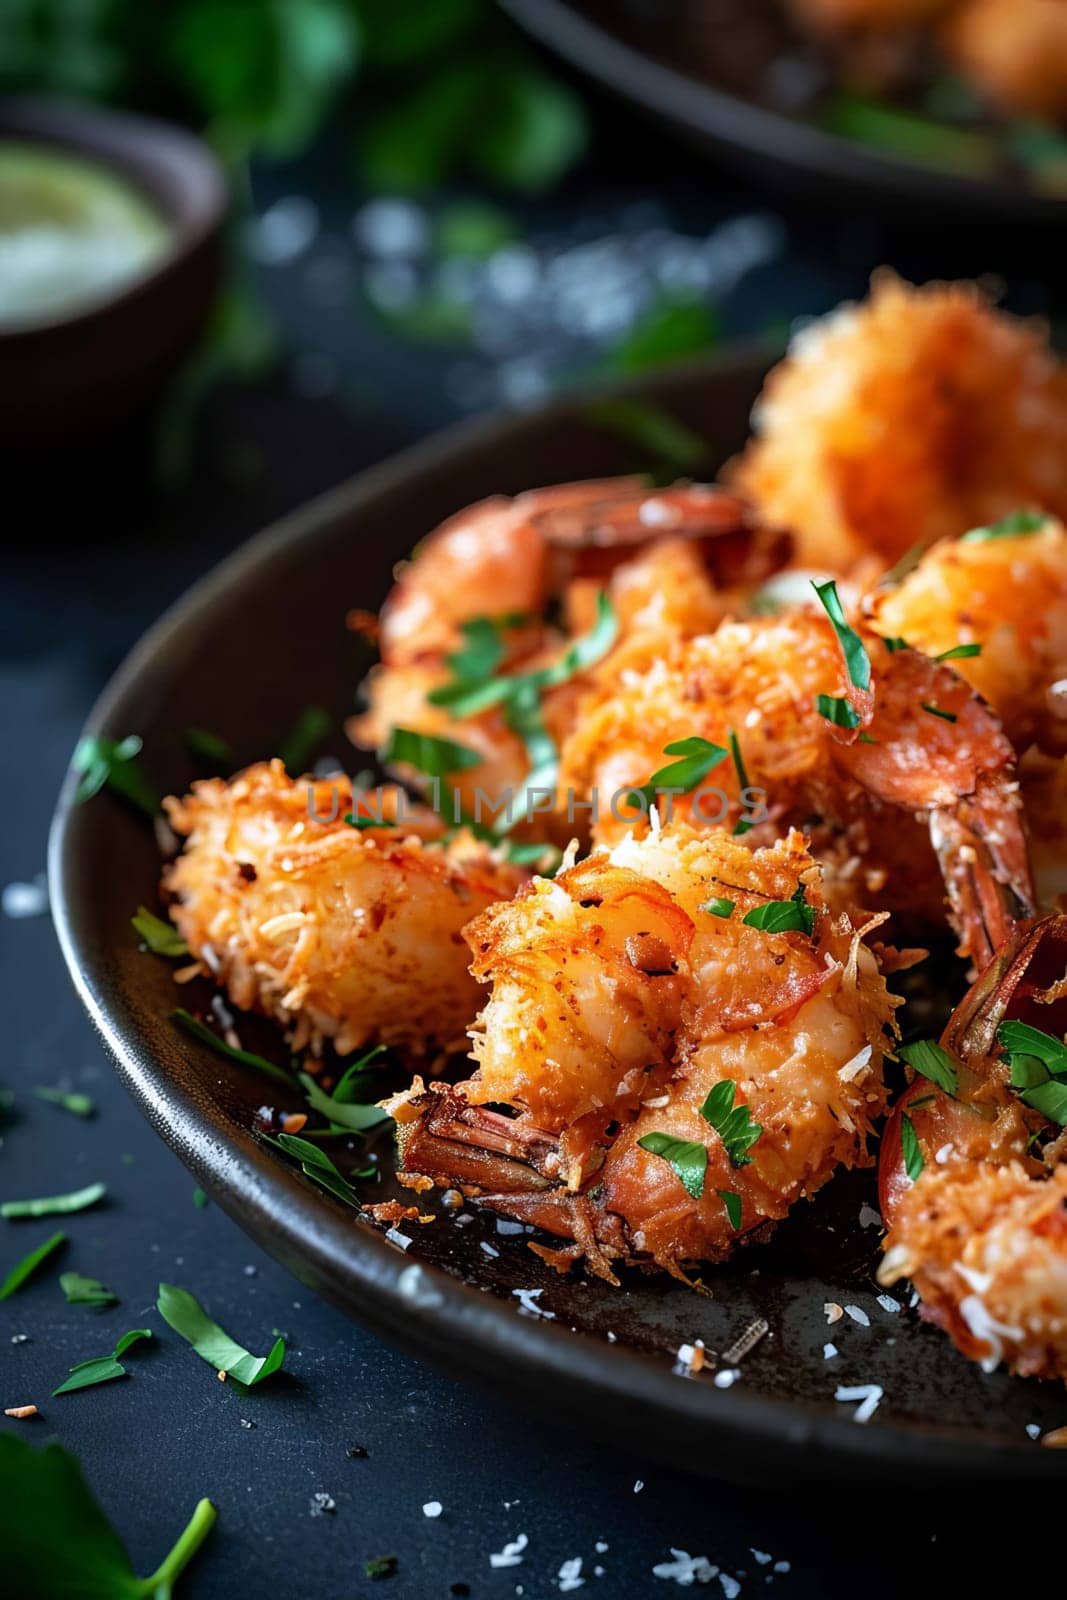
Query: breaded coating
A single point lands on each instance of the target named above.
(341, 934)
(913, 417)
(1014, 51)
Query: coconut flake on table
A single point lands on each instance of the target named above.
(570, 1575)
(869, 1396)
(726, 1378)
(832, 1311)
(829, 1351)
(685, 1569)
(887, 1303)
(761, 1557)
(432, 1508)
(528, 1305)
(858, 1314)
(511, 1555)
(639, 1484)
(1033, 1430)
(321, 1503)
(730, 1586)
(21, 900)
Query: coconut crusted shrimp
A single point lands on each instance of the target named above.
(913, 417)
(972, 1173)
(1002, 595)
(924, 762)
(1015, 51)
(680, 1073)
(670, 560)
(340, 933)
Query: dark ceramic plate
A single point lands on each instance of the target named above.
(631, 51)
(253, 644)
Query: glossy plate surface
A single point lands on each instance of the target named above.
(243, 654)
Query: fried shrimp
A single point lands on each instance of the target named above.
(911, 418)
(855, 768)
(340, 933)
(1001, 595)
(972, 1172)
(1014, 51)
(670, 562)
(689, 1041)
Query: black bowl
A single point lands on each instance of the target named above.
(246, 650)
(73, 379)
(762, 142)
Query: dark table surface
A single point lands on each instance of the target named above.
(89, 573)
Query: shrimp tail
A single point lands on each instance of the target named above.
(985, 863)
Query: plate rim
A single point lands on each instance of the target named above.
(735, 123)
(482, 1334)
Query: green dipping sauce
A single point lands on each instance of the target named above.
(72, 233)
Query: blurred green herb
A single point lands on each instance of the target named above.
(102, 1369)
(112, 762)
(24, 1269)
(672, 327)
(663, 446)
(54, 1205)
(81, 1291)
(79, 1105)
(183, 1312)
(161, 937)
(57, 1541)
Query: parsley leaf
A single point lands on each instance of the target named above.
(719, 907)
(698, 758)
(837, 711)
(893, 643)
(742, 825)
(666, 445)
(927, 1057)
(912, 1150)
(316, 1165)
(297, 749)
(162, 938)
(732, 1202)
(1038, 1064)
(248, 1058)
(79, 1104)
(208, 748)
(689, 1160)
(1021, 1037)
(427, 754)
(959, 652)
(183, 1312)
(55, 1205)
(482, 650)
(28, 1265)
(353, 1115)
(1009, 527)
(102, 1369)
(852, 647)
(732, 1123)
(783, 916)
(936, 711)
(81, 1291)
(112, 762)
(58, 1544)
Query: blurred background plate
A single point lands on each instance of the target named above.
(244, 653)
(671, 61)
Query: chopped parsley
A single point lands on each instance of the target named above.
(893, 643)
(668, 448)
(380, 1566)
(731, 1122)
(742, 825)
(55, 1205)
(467, 697)
(928, 1058)
(1009, 527)
(248, 1058)
(162, 938)
(719, 907)
(688, 1159)
(1038, 1064)
(732, 1202)
(353, 1115)
(837, 711)
(852, 648)
(697, 758)
(297, 749)
(912, 1150)
(101, 1369)
(200, 1199)
(112, 762)
(783, 916)
(483, 647)
(57, 1541)
(209, 748)
(959, 652)
(183, 1312)
(936, 711)
(429, 755)
(24, 1269)
(79, 1105)
(81, 1291)
(316, 1165)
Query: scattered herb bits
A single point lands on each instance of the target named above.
(162, 938)
(79, 1105)
(55, 1205)
(183, 1312)
(688, 1160)
(80, 1291)
(24, 1269)
(102, 1369)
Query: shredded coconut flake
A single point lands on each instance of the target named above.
(829, 1351)
(527, 1299)
(511, 1555)
(833, 1311)
(26, 899)
(570, 1575)
(858, 1314)
(685, 1569)
(432, 1508)
(887, 1303)
(868, 1394)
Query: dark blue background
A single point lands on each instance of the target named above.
(90, 571)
